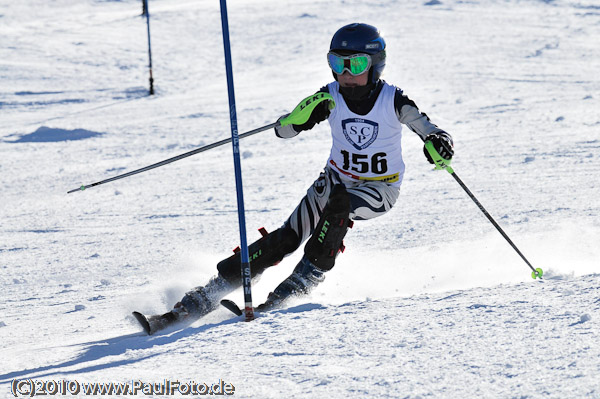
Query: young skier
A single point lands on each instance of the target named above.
(361, 179)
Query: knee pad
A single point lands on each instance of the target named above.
(326, 241)
(264, 253)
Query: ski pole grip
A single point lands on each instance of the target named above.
(440, 163)
(302, 112)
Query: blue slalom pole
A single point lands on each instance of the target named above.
(245, 264)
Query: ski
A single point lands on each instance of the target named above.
(154, 323)
(235, 309)
(143, 322)
(232, 307)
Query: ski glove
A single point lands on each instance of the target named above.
(319, 114)
(442, 142)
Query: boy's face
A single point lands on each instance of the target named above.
(347, 80)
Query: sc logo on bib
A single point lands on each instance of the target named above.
(361, 133)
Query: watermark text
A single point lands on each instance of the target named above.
(33, 387)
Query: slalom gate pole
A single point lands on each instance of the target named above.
(442, 163)
(245, 262)
(176, 158)
(147, 13)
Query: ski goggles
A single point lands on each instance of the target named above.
(355, 64)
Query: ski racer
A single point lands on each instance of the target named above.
(361, 179)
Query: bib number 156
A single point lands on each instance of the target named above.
(361, 163)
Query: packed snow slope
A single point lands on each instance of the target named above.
(427, 301)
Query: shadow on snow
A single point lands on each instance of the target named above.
(98, 350)
(51, 135)
(95, 351)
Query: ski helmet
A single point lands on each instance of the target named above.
(361, 38)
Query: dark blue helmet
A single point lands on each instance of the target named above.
(361, 38)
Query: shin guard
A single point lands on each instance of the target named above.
(264, 253)
(326, 241)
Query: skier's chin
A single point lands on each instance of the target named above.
(355, 92)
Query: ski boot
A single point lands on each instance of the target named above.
(195, 304)
(303, 279)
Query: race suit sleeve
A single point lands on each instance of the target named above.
(408, 114)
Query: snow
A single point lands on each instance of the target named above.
(427, 301)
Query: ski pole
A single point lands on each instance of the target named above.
(442, 163)
(176, 158)
(298, 116)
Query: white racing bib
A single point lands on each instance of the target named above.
(366, 147)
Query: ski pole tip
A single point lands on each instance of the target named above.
(537, 273)
(76, 189)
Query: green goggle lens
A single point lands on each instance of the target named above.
(355, 64)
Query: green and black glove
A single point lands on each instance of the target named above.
(442, 142)
(312, 110)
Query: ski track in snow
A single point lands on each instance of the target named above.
(427, 301)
